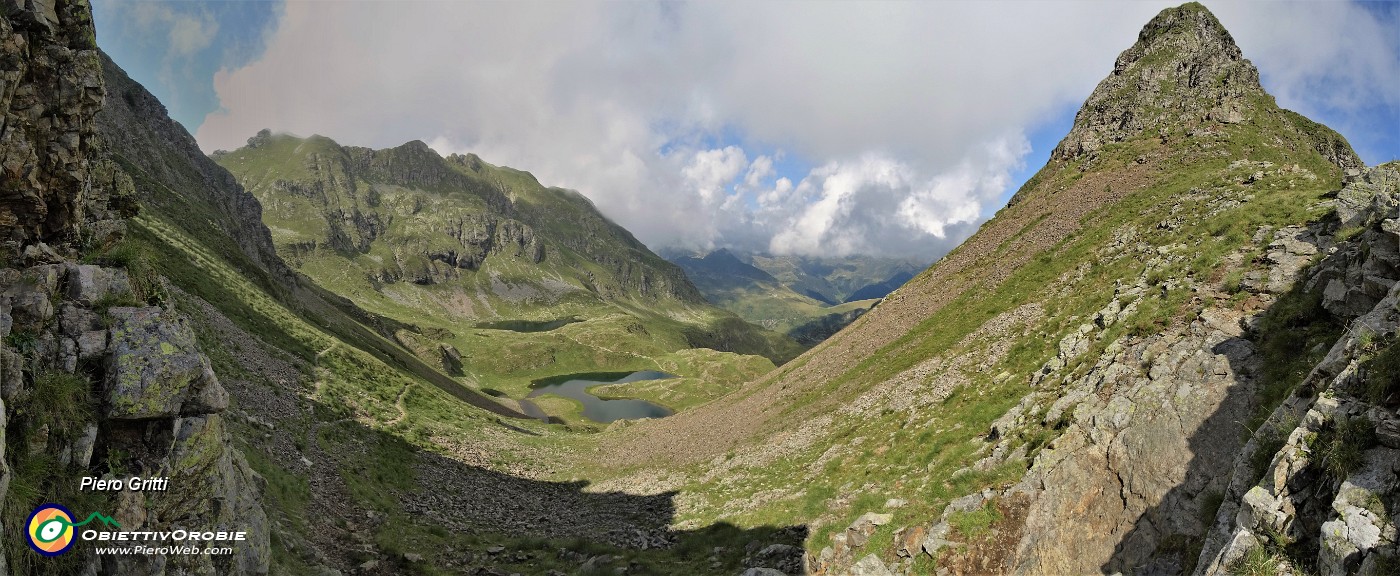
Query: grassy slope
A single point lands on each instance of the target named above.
(1047, 249)
(622, 328)
(347, 384)
(356, 391)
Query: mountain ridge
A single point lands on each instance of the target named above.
(993, 385)
(494, 190)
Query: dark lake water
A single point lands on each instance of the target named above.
(575, 386)
(527, 325)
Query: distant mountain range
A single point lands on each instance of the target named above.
(807, 297)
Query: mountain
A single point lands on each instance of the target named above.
(444, 245)
(150, 327)
(880, 289)
(406, 214)
(1171, 352)
(836, 280)
(807, 298)
(1174, 352)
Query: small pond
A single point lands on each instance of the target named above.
(575, 387)
(527, 325)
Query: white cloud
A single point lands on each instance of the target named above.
(760, 171)
(876, 204)
(905, 108)
(711, 172)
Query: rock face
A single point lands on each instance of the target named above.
(1184, 69)
(52, 88)
(156, 369)
(139, 134)
(406, 214)
(1329, 489)
(1184, 73)
(157, 414)
(94, 382)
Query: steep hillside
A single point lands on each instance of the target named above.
(1060, 393)
(486, 273)
(335, 435)
(406, 214)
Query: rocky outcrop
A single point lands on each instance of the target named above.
(1152, 421)
(157, 415)
(156, 369)
(1183, 74)
(50, 89)
(1328, 495)
(1184, 69)
(93, 382)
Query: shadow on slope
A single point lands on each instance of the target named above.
(364, 500)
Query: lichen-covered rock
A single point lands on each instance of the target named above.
(89, 284)
(1369, 197)
(156, 369)
(870, 566)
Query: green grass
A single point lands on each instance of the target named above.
(929, 453)
(1293, 336)
(1259, 561)
(1338, 449)
(60, 400)
(1383, 374)
(974, 524)
(924, 458)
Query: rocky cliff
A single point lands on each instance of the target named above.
(52, 88)
(98, 375)
(406, 214)
(173, 176)
(1317, 488)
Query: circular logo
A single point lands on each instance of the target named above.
(50, 529)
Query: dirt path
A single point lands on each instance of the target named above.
(320, 372)
(398, 405)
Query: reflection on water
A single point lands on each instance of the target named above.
(575, 387)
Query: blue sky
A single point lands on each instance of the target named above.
(804, 128)
(174, 48)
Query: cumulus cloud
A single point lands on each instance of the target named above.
(675, 118)
(880, 205)
(710, 172)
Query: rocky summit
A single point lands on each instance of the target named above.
(1173, 352)
(1094, 382)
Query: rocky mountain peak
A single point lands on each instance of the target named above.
(1186, 26)
(1184, 70)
